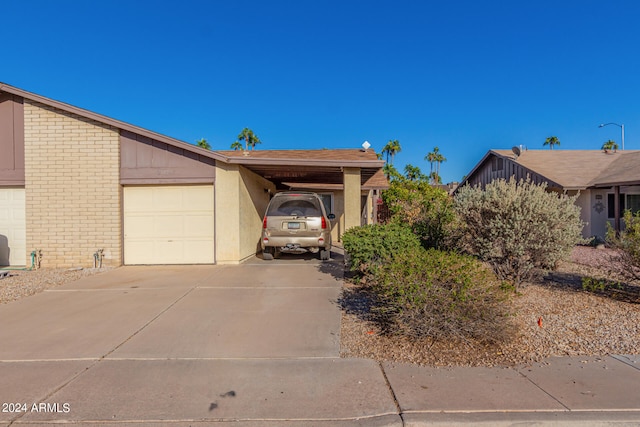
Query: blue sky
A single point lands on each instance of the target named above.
(466, 76)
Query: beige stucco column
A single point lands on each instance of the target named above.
(352, 208)
(227, 213)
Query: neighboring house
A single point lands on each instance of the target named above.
(600, 178)
(73, 182)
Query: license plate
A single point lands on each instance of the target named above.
(294, 226)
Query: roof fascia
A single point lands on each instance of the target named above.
(112, 122)
(265, 161)
(614, 184)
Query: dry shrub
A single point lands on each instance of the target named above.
(628, 244)
(518, 227)
(440, 295)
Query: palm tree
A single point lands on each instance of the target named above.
(392, 148)
(250, 139)
(391, 172)
(610, 145)
(236, 146)
(435, 157)
(202, 143)
(413, 173)
(551, 141)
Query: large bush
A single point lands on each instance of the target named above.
(426, 209)
(629, 244)
(441, 295)
(373, 244)
(517, 226)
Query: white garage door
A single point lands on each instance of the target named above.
(13, 234)
(170, 224)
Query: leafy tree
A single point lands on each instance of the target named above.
(551, 141)
(610, 145)
(236, 146)
(517, 226)
(250, 139)
(426, 209)
(435, 158)
(202, 143)
(391, 149)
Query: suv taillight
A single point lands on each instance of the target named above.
(264, 222)
(324, 223)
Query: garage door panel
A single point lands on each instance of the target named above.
(139, 226)
(197, 226)
(169, 224)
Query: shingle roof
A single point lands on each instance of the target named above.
(625, 170)
(331, 155)
(576, 169)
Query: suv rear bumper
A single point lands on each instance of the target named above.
(302, 242)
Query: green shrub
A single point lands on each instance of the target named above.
(518, 226)
(628, 242)
(441, 295)
(426, 209)
(372, 244)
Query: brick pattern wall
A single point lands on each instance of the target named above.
(72, 187)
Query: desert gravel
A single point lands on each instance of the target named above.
(553, 316)
(23, 283)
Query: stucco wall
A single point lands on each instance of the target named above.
(352, 198)
(72, 187)
(584, 202)
(253, 204)
(240, 205)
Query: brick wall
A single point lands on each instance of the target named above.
(72, 187)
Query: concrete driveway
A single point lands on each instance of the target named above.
(183, 344)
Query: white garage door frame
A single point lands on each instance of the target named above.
(168, 224)
(13, 229)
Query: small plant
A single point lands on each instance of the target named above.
(595, 241)
(590, 284)
(373, 244)
(594, 285)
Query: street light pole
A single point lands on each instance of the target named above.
(620, 126)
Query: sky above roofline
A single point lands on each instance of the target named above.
(465, 76)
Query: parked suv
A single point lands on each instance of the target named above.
(296, 222)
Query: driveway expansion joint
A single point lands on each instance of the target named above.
(545, 392)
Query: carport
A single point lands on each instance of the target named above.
(247, 179)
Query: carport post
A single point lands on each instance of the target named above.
(352, 209)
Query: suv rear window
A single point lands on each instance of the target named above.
(294, 205)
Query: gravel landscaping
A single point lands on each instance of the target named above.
(554, 317)
(22, 283)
